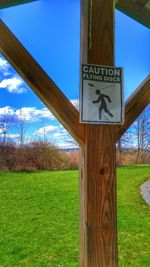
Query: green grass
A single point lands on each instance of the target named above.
(39, 219)
(133, 218)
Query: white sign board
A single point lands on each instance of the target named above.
(101, 95)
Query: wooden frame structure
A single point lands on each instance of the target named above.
(137, 9)
(98, 231)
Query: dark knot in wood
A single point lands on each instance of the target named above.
(103, 170)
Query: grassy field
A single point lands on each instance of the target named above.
(39, 219)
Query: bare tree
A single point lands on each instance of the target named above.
(122, 145)
(5, 124)
(141, 134)
(44, 133)
(20, 128)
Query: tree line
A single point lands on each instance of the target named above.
(16, 153)
(37, 155)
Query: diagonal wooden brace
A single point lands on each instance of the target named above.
(8, 3)
(135, 10)
(136, 103)
(40, 83)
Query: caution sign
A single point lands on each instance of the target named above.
(101, 95)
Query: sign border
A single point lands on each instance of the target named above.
(122, 110)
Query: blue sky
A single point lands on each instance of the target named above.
(50, 31)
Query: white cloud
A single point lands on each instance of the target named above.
(33, 114)
(75, 102)
(29, 114)
(8, 135)
(50, 129)
(4, 66)
(13, 85)
(66, 145)
(57, 135)
(12, 136)
(3, 63)
(6, 110)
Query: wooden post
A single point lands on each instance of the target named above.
(98, 238)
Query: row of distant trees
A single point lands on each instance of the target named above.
(134, 146)
(37, 155)
(16, 153)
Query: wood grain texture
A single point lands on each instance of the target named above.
(40, 83)
(8, 3)
(134, 106)
(98, 238)
(142, 2)
(135, 10)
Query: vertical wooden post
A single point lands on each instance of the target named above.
(98, 238)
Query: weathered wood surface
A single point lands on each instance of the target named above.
(135, 10)
(98, 239)
(142, 2)
(40, 83)
(8, 3)
(136, 103)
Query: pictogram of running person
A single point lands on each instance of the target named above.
(103, 104)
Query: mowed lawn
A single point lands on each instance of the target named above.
(39, 218)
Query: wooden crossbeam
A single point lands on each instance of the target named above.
(134, 106)
(142, 2)
(40, 83)
(135, 10)
(8, 3)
